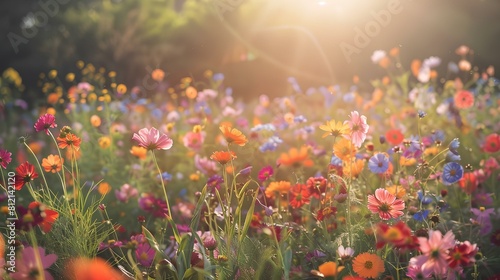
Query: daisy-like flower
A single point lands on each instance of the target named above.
(462, 254)
(152, 140)
(385, 204)
(281, 187)
(296, 158)
(45, 122)
(28, 267)
(435, 251)
(463, 99)
(223, 157)
(368, 265)
(344, 149)
(25, 173)
(233, 135)
(394, 136)
(69, 140)
(52, 163)
(299, 196)
(265, 173)
(492, 143)
(334, 128)
(345, 253)
(328, 270)
(144, 254)
(5, 158)
(358, 127)
(378, 163)
(452, 172)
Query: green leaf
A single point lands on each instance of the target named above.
(248, 219)
(152, 241)
(192, 274)
(165, 270)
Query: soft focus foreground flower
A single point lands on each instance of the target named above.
(53, 163)
(368, 265)
(45, 122)
(452, 172)
(25, 173)
(233, 135)
(358, 127)
(5, 158)
(463, 99)
(334, 128)
(385, 204)
(378, 163)
(296, 158)
(91, 269)
(398, 235)
(28, 268)
(329, 269)
(434, 253)
(152, 140)
(49, 216)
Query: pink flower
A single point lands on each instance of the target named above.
(359, 128)
(194, 140)
(5, 158)
(385, 204)
(152, 140)
(45, 122)
(144, 254)
(435, 250)
(26, 268)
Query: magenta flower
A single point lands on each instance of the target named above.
(5, 158)
(152, 140)
(45, 122)
(358, 127)
(265, 173)
(26, 268)
(126, 191)
(435, 250)
(385, 204)
(144, 254)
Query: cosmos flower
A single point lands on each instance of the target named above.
(25, 173)
(385, 204)
(334, 129)
(299, 195)
(28, 267)
(265, 173)
(69, 140)
(452, 172)
(378, 163)
(152, 140)
(49, 216)
(358, 127)
(368, 265)
(5, 158)
(463, 99)
(45, 122)
(435, 251)
(233, 135)
(223, 157)
(144, 254)
(296, 158)
(52, 163)
(344, 149)
(394, 136)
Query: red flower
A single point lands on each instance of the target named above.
(299, 195)
(394, 136)
(325, 213)
(398, 235)
(462, 254)
(25, 173)
(492, 143)
(316, 186)
(5, 158)
(463, 99)
(49, 216)
(468, 182)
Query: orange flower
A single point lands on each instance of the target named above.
(396, 190)
(281, 187)
(354, 168)
(384, 62)
(49, 217)
(296, 158)
(233, 135)
(415, 67)
(139, 152)
(344, 149)
(158, 75)
(95, 120)
(463, 99)
(191, 92)
(91, 269)
(407, 161)
(104, 188)
(53, 163)
(329, 270)
(394, 52)
(335, 128)
(69, 140)
(223, 157)
(368, 265)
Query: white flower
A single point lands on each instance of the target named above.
(431, 62)
(378, 55)
(345, 253)
(424, 74)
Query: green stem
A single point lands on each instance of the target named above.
(162, 184)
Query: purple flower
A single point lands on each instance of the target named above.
(214, 183)
(265, 173)
(27, 266)
(378, 163)
(453, 147)
(144, 254)
(483, 219)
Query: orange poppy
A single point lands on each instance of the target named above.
(223, 157)
(233, 135)
(53, 163)
(296, 158)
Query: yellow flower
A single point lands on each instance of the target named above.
(52, 74)
(353, 169)
(194, 177)
(344, 149)
(431, 151)
(80, 64)
(104, 142)
(407, 161)
(396, 190)
(281, 187)
(121, 89)
(92, 97)
(334, 128)
(112, 74)
(70, 77)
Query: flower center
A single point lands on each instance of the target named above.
(453, 172)
(368, 265)
(384, 207)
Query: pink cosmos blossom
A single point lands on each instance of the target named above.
(194, 140)
(435, 250)
(358, 127)
(27, 266)
(5, 158)
(152, 140)
(205, 165)
(144, 254)
(45, 122)
(385, 204)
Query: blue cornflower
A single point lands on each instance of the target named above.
(266, 126)
(378, 163)
(437, 136)
(299, 119)
(165, 176)
(453, 147)
(452, 172)
(271, 144)
(424, 199)
(421, 215)
(421, 114)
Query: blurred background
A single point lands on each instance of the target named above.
(257, 44)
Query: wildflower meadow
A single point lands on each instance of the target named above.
(395, 179)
